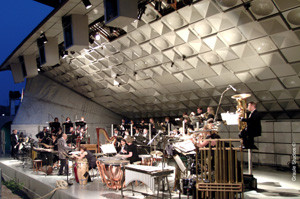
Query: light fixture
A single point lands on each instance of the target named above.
(141, 12)
(97, 36)
(157, 6)
(87, 4)
(43, 38)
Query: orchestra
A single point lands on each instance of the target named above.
(145, 141)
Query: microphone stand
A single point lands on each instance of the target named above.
(150, 142)
(216, 115)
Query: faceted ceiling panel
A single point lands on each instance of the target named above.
(170, 63)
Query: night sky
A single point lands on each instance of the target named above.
(17, 19)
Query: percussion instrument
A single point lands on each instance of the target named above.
(111, 171)
(189, 187)
(82, 168)
(146, 159)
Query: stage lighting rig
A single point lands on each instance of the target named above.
(87, 4)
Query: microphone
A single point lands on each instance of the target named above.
(234, 89)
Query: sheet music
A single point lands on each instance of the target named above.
(185, 146)
(230, 118)
(108, 149)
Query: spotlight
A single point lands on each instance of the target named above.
(97, 36)
(43, 38)
(87, 4)
(158, 6)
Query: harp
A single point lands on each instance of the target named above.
(110, 140)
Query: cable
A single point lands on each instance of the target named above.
(60, 184)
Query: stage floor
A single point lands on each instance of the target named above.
(271, 184)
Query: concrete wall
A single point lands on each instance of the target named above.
(276, 143)
(45, 99)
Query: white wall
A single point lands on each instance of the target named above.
(275, 144)
(45, 99)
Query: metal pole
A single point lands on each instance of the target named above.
(112, 130)
(183, 127)
(250, 161)
(131, 130)
(169, 129)
(197, 125)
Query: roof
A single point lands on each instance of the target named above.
(166, 64)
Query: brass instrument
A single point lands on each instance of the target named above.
(241, 108)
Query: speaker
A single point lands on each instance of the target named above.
(17, 72)
(76, 32)
(119, 13)
(49, 55)
(29, 66)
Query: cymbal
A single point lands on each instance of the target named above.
(241, 96)
(156, 153)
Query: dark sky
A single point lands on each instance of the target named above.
(17, 19)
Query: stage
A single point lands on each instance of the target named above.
(271, 184)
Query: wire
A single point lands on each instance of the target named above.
(60, 184)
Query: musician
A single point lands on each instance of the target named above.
(14, 143)
(207, 135)
(143, 125)
(55, 125)
(153, 127)
(131, 151)
(68, 125)
(41, 135)
(53, 143)
(199, 111)
(84, 153)
(81, 129)
(210, 113)
(63, 149)
(123, 149)
(123, 126)
(166, 123)
(253, 128)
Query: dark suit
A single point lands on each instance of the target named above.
(252, 130)
(62, 151)
(14, 147)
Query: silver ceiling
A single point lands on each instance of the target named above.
(171, 64)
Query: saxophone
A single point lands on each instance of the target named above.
(241, 108)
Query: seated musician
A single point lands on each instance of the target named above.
(131, 151)
(40, 136)
(123, 149)
(199, 111)
(209, 114)
(55, 148)
(207, 135)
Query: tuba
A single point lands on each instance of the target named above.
(241, 108)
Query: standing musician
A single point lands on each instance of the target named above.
(14, 143)
(63, 149)
(67, 126)
(153, 127)
(166, 124)
(253, 128)
(81, 129)
(130, 151)
(199, 111)
(54, 126)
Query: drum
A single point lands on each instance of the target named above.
(146, 160)
(111, 172)
(82, 171)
